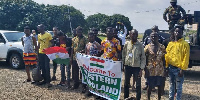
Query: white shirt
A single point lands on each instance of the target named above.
(122, 35)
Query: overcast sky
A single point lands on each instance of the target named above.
(143, 14)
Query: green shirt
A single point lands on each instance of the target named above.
(78, 44)
(133, 54)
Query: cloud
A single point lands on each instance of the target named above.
(129, 8)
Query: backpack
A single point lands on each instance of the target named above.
(36, 74)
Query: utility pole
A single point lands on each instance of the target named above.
(70, 24)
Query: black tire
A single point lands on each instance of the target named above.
(16, 61)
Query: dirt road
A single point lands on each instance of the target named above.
(13, 88)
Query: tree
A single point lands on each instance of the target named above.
(15, 14)
(34, 16)
(112, 20)
(95, 20)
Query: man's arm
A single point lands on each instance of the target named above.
(22, 41)
(167, 54)
(186, 56)
(125, 30)
(119, 52)
(124, 51)
(85, 42)
(102, 50)
(50, 40)
(38, 48)
(183, 12)
(142, 58)
(35, 43)
(165, 13)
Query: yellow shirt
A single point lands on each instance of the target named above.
(44, 40)
(178, 54)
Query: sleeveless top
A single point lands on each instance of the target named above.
(28, 44)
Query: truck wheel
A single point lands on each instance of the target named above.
(16, 61)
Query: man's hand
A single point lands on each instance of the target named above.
(140, 74)
(180, 74)
(166, 73)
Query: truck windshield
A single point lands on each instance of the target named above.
(13, 36)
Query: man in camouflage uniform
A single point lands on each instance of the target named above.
(174, 15)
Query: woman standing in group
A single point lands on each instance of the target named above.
(155, 67)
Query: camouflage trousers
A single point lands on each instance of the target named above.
(172, 24)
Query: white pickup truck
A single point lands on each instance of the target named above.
(11, 48)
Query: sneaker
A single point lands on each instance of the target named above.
(49, 85)
(53, 78)
(33, 82)
(61, 84)
(130, 98)
(83, 90)
(41, 83)
(27, 80)
(88, 94)
(97, 97)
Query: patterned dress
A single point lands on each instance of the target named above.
(93, 48)
(155, 65)
(29, 55)
(110, 48)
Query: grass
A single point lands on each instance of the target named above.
(140, 36)
(102, 37)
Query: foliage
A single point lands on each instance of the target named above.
(112, 20)
(191, 32)
(95, 20)
(15, 14)
(102, 21)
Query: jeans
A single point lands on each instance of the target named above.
(128, 73)
(44, 65)
(62, 68)
(174, 79)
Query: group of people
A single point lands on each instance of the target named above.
(155, 59)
